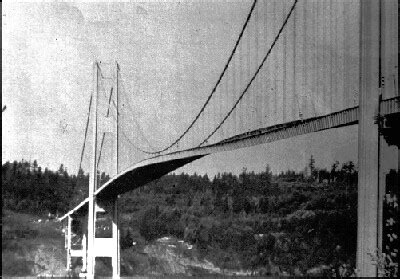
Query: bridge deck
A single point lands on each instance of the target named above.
(153, 168)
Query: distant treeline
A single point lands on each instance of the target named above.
(26, 187)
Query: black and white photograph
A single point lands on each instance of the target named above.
(200, 138)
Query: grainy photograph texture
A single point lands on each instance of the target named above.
(200, 138)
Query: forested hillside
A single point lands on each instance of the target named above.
(290, 223)
(27, 188)
(262, 222)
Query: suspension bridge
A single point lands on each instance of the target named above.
(295, 67)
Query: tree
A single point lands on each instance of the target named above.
(35, 166)
(264, 248)
(311, 165)
(61, 169)
(126, 240)
(334, 171)
(349, 173)
(323, 174)
(150, 226)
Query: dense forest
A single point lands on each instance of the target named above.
(256, 221)
(27, 188)
(290, 222)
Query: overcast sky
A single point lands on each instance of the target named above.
(164, 49)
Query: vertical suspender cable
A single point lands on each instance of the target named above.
(233, 90)
(225, 101)
(318, 55)
(315, 55)
(220, 102)
(246, 116)
(256, 102)
(324, 87)
(284, 69)
(345, 53)
(305, 61)
(241, 76)
(330, 58)
(117, 124)
(266, 109)
(336, 56)
(295, 99)
(274, 57)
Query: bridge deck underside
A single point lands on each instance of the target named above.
(155, 167)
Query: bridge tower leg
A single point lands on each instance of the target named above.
(115, 220)
(69, 242)
(93, 251)
(369, 211)
(92, 182)
(115, 235)
(84, 249)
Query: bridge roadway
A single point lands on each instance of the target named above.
(153, 168)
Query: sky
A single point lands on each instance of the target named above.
(164, 49)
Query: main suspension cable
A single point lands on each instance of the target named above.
(121, 130)
(215, 86)
(254, 76)
(128, 102)
(86, 130)
(102, 139)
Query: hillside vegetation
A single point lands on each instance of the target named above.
(263, 223)
(259, 223)
(31, 245)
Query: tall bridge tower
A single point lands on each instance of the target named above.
(378, 24)
(102, 247)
